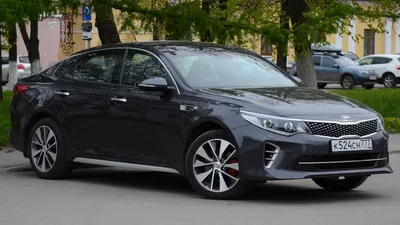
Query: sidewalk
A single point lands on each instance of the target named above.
(394, 143)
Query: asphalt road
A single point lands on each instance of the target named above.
(115, 196)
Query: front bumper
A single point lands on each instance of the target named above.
(259, 163)
(360, 80)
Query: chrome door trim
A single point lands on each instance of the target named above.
(124, 165)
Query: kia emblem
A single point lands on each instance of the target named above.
(345, 117)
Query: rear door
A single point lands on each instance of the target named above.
(82, 98)
(317, 66)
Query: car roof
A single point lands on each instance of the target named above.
(164, 45)
(383, 55)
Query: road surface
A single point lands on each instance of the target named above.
(116, 196)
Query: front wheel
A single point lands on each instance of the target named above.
(338, 185)
(47, 150)
(212, 166)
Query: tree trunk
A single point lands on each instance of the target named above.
(34, 56)
(157, 30)
(282, 46)
(12, 40)
(105, 23)
(301, 41)
(223, 6)
(206, 7)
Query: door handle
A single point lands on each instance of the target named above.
(115, 99)
(62, 93)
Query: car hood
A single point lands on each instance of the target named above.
(293, 102)
(355, 67)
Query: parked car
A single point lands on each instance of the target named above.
(228, 120)
(351, 55)
(387, 68)
(23, 67)
(337, 69)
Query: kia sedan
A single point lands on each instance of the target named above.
(223, 117)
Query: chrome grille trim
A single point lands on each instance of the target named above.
(270, 156)
(343, 161)
(340, 129)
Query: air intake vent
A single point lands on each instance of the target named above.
(271, 152)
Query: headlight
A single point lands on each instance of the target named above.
(367, 72)
(381, 123)
(275, 124)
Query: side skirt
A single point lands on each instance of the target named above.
(124, 165)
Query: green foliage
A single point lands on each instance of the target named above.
(5, 118)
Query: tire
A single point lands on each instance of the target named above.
(321, 85)
(337, 185)
(234, 189)
(347, 82)
(369, 86)
(389, 81)
(56, 165)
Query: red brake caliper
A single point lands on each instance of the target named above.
(231, 171)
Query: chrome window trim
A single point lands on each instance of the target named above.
(127, 48)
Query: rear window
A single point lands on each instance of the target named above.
(4, 61)
(24, 59)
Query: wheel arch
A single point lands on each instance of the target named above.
(202, 126)
(31, 121)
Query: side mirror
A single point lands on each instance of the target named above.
(154, 84)
(336, 66)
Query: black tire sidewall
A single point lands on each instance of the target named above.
(347, 184)
(352, 82)
(232, 193)
(61, 166)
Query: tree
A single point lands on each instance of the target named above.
(105, 22)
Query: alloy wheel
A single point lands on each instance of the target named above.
(388, 81)
(44, 148)
(216, 166)
(346, 82)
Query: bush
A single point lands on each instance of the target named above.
(5, 117)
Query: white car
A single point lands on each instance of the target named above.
(23, 67)
(387, 68)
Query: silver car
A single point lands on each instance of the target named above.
(23, 67)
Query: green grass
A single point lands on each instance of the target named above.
(5, 118)
(386, 101)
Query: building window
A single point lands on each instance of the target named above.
(266, 48)
(369, 42)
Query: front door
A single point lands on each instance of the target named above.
(145, 124)
(330, 70)
(82, 98)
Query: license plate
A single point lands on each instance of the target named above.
(372, 78)
(351, 145)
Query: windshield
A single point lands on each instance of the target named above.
(210, 68)
(344, 61)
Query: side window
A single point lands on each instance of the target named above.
(328, 62)
(50, 70)
(381, 60)
(140, 66)
(316, 60)
(101, 66)
(366, 61)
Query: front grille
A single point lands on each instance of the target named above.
(341, 162)
(338, 130)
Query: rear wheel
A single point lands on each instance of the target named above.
(337, 185)
(347, 82)
(212, 166)
(389, 80)
(47, 150)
